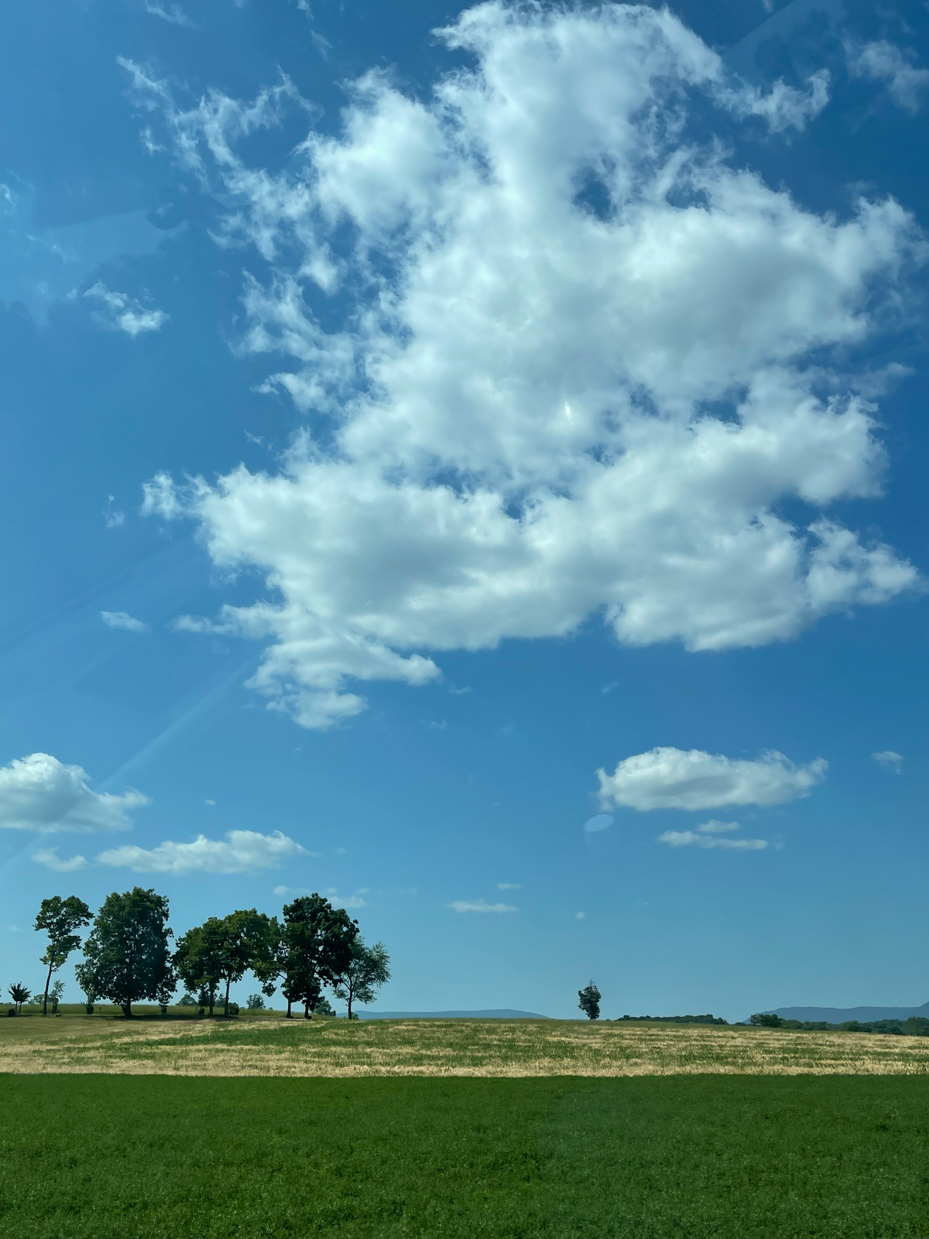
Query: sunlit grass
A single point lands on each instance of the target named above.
(327, 1047)
(101, 1157)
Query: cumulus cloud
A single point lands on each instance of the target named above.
(669, 778)
(242, 851)
(122, 619)
(889, 760)
(689, 838)
(885, 62)
(41, 793)
(480, 905)
(123, 313)
(576, 375)
(51, 860)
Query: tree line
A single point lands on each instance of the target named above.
(129, 956)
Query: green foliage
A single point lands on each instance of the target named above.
(223, 949)
(127, 956)
(20, 994)
(590, 1001)
(694, 1157)
(187, 1000)
(60, 919)
(368, 968)
(255, 1002)
(316, 946)
(915, 1026)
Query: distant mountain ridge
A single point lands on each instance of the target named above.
(503, 1014)
(841, 1015)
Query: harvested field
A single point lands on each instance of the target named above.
(335, 1048)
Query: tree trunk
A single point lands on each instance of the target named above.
(289, 1016)
(45, 995)
(306, 1009)
(212, 1001)
(127, 1009)
(349, 990)
(226, 1003)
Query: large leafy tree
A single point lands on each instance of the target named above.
(368, 968)
(590, 1001)
(127, 955)
(316, 948)
(223, 949)
(60, 919)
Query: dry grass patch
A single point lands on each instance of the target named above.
(501, 1048)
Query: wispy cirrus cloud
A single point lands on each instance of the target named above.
(121, 312)
(123, 620)
(480, 905)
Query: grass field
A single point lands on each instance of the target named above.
(272, 1046)
(101, 1157)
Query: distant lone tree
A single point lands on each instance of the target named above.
(19, 994)
(590, 1001)
(127, 955)
(59, 918)
(366, 971)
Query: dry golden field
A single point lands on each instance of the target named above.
(335, 1048)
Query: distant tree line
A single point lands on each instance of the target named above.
(129, 956)
(915, 1026)
(675, 1019)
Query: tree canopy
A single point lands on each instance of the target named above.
(224, 949)
(316, 945)
(127, 956)
(590, 1001)
(60, 918)
(368, 968)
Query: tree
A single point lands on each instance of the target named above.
(255, 1002)
(590, 1001)
(59, 918)
(368, 968)
(55, 995)
(127, 956)
(19, 994)
(316, 948)
(224, 949)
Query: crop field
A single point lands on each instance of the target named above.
(272, 1046)
(698, 1156)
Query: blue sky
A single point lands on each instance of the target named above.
(470, 462)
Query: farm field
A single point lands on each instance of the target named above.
(273, 1046)
(732, 1157)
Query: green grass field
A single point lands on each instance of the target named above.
(94, 1156)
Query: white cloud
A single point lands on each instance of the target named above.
(889, 760)
(688, 838)
(718, 828)
(782, 107)
(51, 860)
(243, 851)
(509, 886)
(580, 916)
(577, 376)
(885, 62)
(124, 313)
(121, 619)
(480, 905)
(669, 778)
(40, 793)
(172, 13)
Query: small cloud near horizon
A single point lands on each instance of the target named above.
(480, 905)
